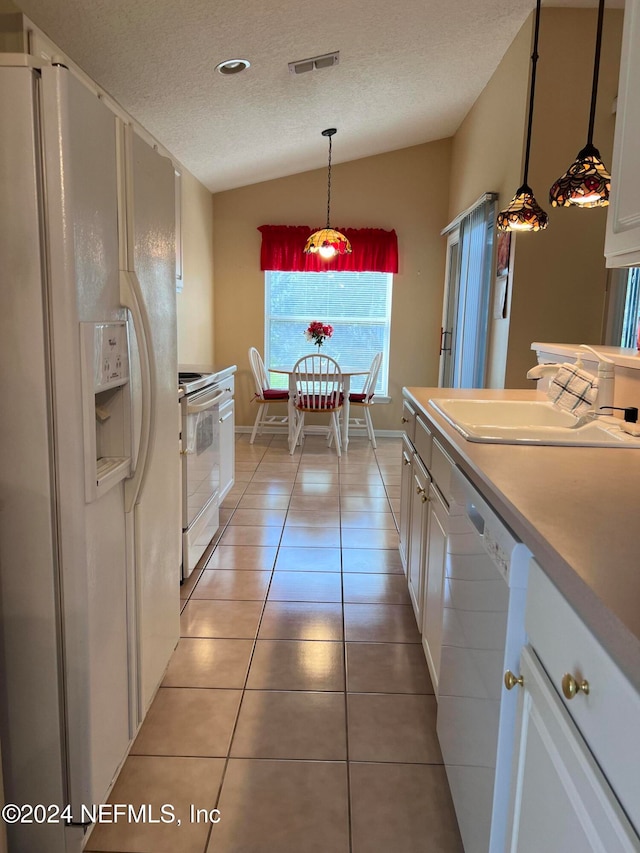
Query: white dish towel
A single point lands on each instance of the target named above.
(573, 389)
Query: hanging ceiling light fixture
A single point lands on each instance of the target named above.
(524, 213)
(586, 183)
(328, 242)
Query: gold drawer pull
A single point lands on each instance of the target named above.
(405, 420)
(406, 461)
(510, 680)
(419, 490)
(571, 687)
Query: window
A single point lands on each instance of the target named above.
(356, 304)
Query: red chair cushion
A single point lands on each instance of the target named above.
(275, 394)
(319, 401)
(358, 397)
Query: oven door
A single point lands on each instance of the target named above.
(200, 452)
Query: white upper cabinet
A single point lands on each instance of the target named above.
(622, 244)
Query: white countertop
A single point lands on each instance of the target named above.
(576, 508)
(622, 356)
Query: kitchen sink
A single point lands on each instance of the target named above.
(529, 422)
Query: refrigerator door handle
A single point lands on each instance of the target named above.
(131, 298)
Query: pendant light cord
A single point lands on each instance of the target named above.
(596, 72)
(329, 186)
(534, 62)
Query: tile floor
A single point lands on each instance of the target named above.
(298, 702)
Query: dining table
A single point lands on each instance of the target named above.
(347, 373)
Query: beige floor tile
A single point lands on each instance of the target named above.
(306, 586)
(254, 557)
(258, 517)
(157, 781)
(297, 665)
(326, 490)
(387, 668)
(283, 475)
(371, 477)
(369, 490)
(291, 725)
(367, 538)
(187, 587)
(404, 808)
(373, 589)
(209, 663)
(362, 503)
(308, 560)
(268, 487)
(393, 727)
(393, 492)
(312, 475)
(283, 807)
(380, 623)
(263, 536)
(264, 502)
(221, 619)
(311, 537)
(314, 503)
(368, 560)
(313, 518)
(300, 620)
(368, 520)
(188, 721)
(276, 469)
(239, 585)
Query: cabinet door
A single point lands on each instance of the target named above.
(435, 557)
(622, 244)
(227, 448)
(560, 800)
(418, 536)
(406, 483)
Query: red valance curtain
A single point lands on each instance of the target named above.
(374, 250)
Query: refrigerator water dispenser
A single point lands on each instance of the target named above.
(106, 406)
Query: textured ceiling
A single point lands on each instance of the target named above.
(408, 73)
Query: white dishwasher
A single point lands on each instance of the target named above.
(483, 635)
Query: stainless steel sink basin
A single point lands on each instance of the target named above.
(528, 422)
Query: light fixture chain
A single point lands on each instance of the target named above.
(329, 186)
(596, 72)
(534, 62)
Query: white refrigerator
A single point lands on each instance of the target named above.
(90, 502)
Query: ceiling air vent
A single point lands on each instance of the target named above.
(315, 63)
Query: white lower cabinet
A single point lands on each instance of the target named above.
(433, 586)
(227, 448)
(419, 526)
(560, 799)
(406, 482)
(574, 776)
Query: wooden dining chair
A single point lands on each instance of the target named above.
(265, 395)
(319, 388)
(364, 400)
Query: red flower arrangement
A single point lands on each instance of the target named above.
(318, 332)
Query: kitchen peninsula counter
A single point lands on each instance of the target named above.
(576, 508)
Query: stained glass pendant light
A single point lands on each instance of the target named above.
(524, 213)
(328, 242)
(586, 183)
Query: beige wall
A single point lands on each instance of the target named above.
(195, 303)
(488, 149)
(406, 190)
(560, 274)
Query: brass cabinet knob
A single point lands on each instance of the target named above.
(406, 461)
(510, 680)
(571, 687)
(419, 490)
(405, 420)
(424, 497)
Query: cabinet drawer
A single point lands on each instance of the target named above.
(409, 420)
(423, 441)
(608, 715)
(441, 467)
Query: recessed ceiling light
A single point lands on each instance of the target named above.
(233, 66)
